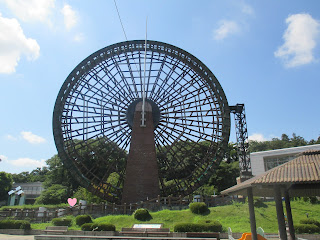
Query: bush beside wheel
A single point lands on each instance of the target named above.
(198, 208)
(310, 221)
(215, 226)
(62, 222)
(306, 228)
(142, 214)
(98, 227)
(82, 219)
(15, 224)
(86, 227)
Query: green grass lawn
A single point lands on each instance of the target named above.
(235, 216)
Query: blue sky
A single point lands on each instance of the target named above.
(265, 54)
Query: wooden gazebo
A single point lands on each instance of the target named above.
(297, 178)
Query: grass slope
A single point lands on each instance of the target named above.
(235, 216)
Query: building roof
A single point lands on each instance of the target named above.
(287, 150)
(305, 169)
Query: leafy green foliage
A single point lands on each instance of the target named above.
(87, 227)
(15, 224)
(225, 176)
(55, 194)
(306, 228)
(59, 174)
(142, 214)
(5, 185)
(81, 219)
(103, 227)
(62, 222)
(284, 142)
(84, 194)
(98, 227)
(198, 227)
(310, 221)
(198, 208)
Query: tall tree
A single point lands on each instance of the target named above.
(5, 185)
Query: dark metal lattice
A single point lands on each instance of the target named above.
(91, 106)
(242, 139)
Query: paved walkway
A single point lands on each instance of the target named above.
(16, 237)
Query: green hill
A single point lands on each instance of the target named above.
(235, 216)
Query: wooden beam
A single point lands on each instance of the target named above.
(280, 216)
(252, 215)
(289, 215)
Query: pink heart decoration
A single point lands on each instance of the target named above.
(72, 201)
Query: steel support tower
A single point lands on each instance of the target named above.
(242, 140)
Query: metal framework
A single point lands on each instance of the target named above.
(90, 117)
(242, 139)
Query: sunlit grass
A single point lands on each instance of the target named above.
(235, 216)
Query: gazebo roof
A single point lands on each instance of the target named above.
(300, 175)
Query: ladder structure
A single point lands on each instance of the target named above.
(242, 140)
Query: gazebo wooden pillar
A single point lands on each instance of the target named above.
(289, 215)
(252, 215)
(280, 216)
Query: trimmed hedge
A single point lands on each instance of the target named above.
(310, 221)
(142, 214)
(198, 207)
(15, 224)
(86, 227)
(82, 219)
(306, 228)
(98, 227)
(215, 226)
(62, 222)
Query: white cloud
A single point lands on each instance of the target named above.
(3, 158)
(257, 137)
(28, 162)
(31, 10)
(299, 40)
(247, 9)
(11, 138)
(13, 43)
(32, 138)
(79, 37)
(70, 16)
(226, 28)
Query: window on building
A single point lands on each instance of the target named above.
(271, 162)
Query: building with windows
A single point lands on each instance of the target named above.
(25, 193)
(266, 160)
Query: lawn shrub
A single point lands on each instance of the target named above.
(15, 224)
(306, 228)
(86, 227)
(310, 221)
(103, 227)
(142, 214)
(81, 219)
(198, 207)
(215, 226)
(62, 222)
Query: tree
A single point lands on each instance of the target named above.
(225, 176)
(276, 143)
(56, 194)
(84, 194)
(58, 174)
(5, 185)
(22, 177)
(38, 175)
